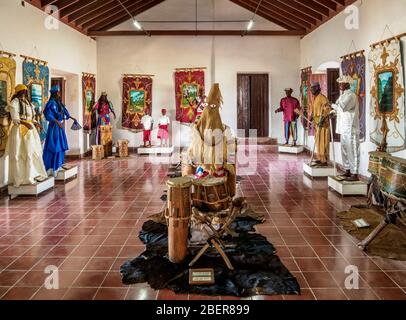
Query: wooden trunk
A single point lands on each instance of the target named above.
(178, 213)
(122, 148)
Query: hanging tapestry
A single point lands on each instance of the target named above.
(353, 65)
(88, 100)
(189, 85)
(387, 122)
(137, 99)
(7, 84)
(36, 78)
(305, 94)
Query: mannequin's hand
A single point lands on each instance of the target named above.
(16, 122)
(59, 124)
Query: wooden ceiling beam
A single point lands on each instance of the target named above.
(197, 33)
(45, 3)
(305, 10)
(62, 4)
(106, 25)
(101, 12)
(291, 11)
(107, 16)
(86, 11)
(340, 2)
(274, 12)
(329, 4)
(280, 22)
(314, 6)
(75, 7)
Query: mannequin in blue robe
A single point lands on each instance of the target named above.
(56, 143)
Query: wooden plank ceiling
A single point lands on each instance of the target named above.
(96, 17)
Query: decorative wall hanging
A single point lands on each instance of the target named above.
(305, 94)
(137, 100)
(7, 84)
(88, 98)
(354, 65)
(36, 78)
(189, 85)
(387, 125)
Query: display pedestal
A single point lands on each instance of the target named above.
(347, 188)
(155, 150)
(318, 172)
(284, 148)
(31, 189)
(66, 174)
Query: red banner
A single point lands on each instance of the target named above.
(88, 98)
(137, 99)
(189, 85)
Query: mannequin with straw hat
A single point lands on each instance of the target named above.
(24, 147)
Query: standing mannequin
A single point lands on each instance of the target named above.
(24, 144)
(104, 134)
(290, 107)
(147, 123)
(56, 143)
(163, 133)
(319, 114)
(347, 109)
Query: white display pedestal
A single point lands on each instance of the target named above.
(348, 188)
(31, 189)
(155, 150)
(283, 148)
(318, 172)
(66, 174)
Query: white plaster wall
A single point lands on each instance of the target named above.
(224, 57)
(23, 31)
(333, 40)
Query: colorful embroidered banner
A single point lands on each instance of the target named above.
(353, 65)
(305, 94)
(88, 98)
(7, 84)
(387, 121)
(36, 78)
(137, 99)
(189, 85)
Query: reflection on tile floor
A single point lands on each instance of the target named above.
(89, 227)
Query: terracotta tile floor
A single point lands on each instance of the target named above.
(89, 227)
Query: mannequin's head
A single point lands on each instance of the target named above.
(288, 92)
(164, 111)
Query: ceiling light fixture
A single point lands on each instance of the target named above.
(137, 24)
(250, 25)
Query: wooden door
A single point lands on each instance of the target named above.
(253, 103)
(333, 93)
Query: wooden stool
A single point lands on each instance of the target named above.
(122, 146)
(97, 152)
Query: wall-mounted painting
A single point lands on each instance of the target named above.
(7, 84)
(388, 127)
(137, 100)
(189, 85)
(88, 101)
(354, 65)
(36, 78)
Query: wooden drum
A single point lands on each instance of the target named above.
(211, 194)
(178, 214)
(375, 162)
(392, 178)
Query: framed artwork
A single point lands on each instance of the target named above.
(189, 85)
(354, 65)
(387, 119)
(88, 101)
(137, 99)
(7, 84)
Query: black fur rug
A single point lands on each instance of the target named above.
(258, 270)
